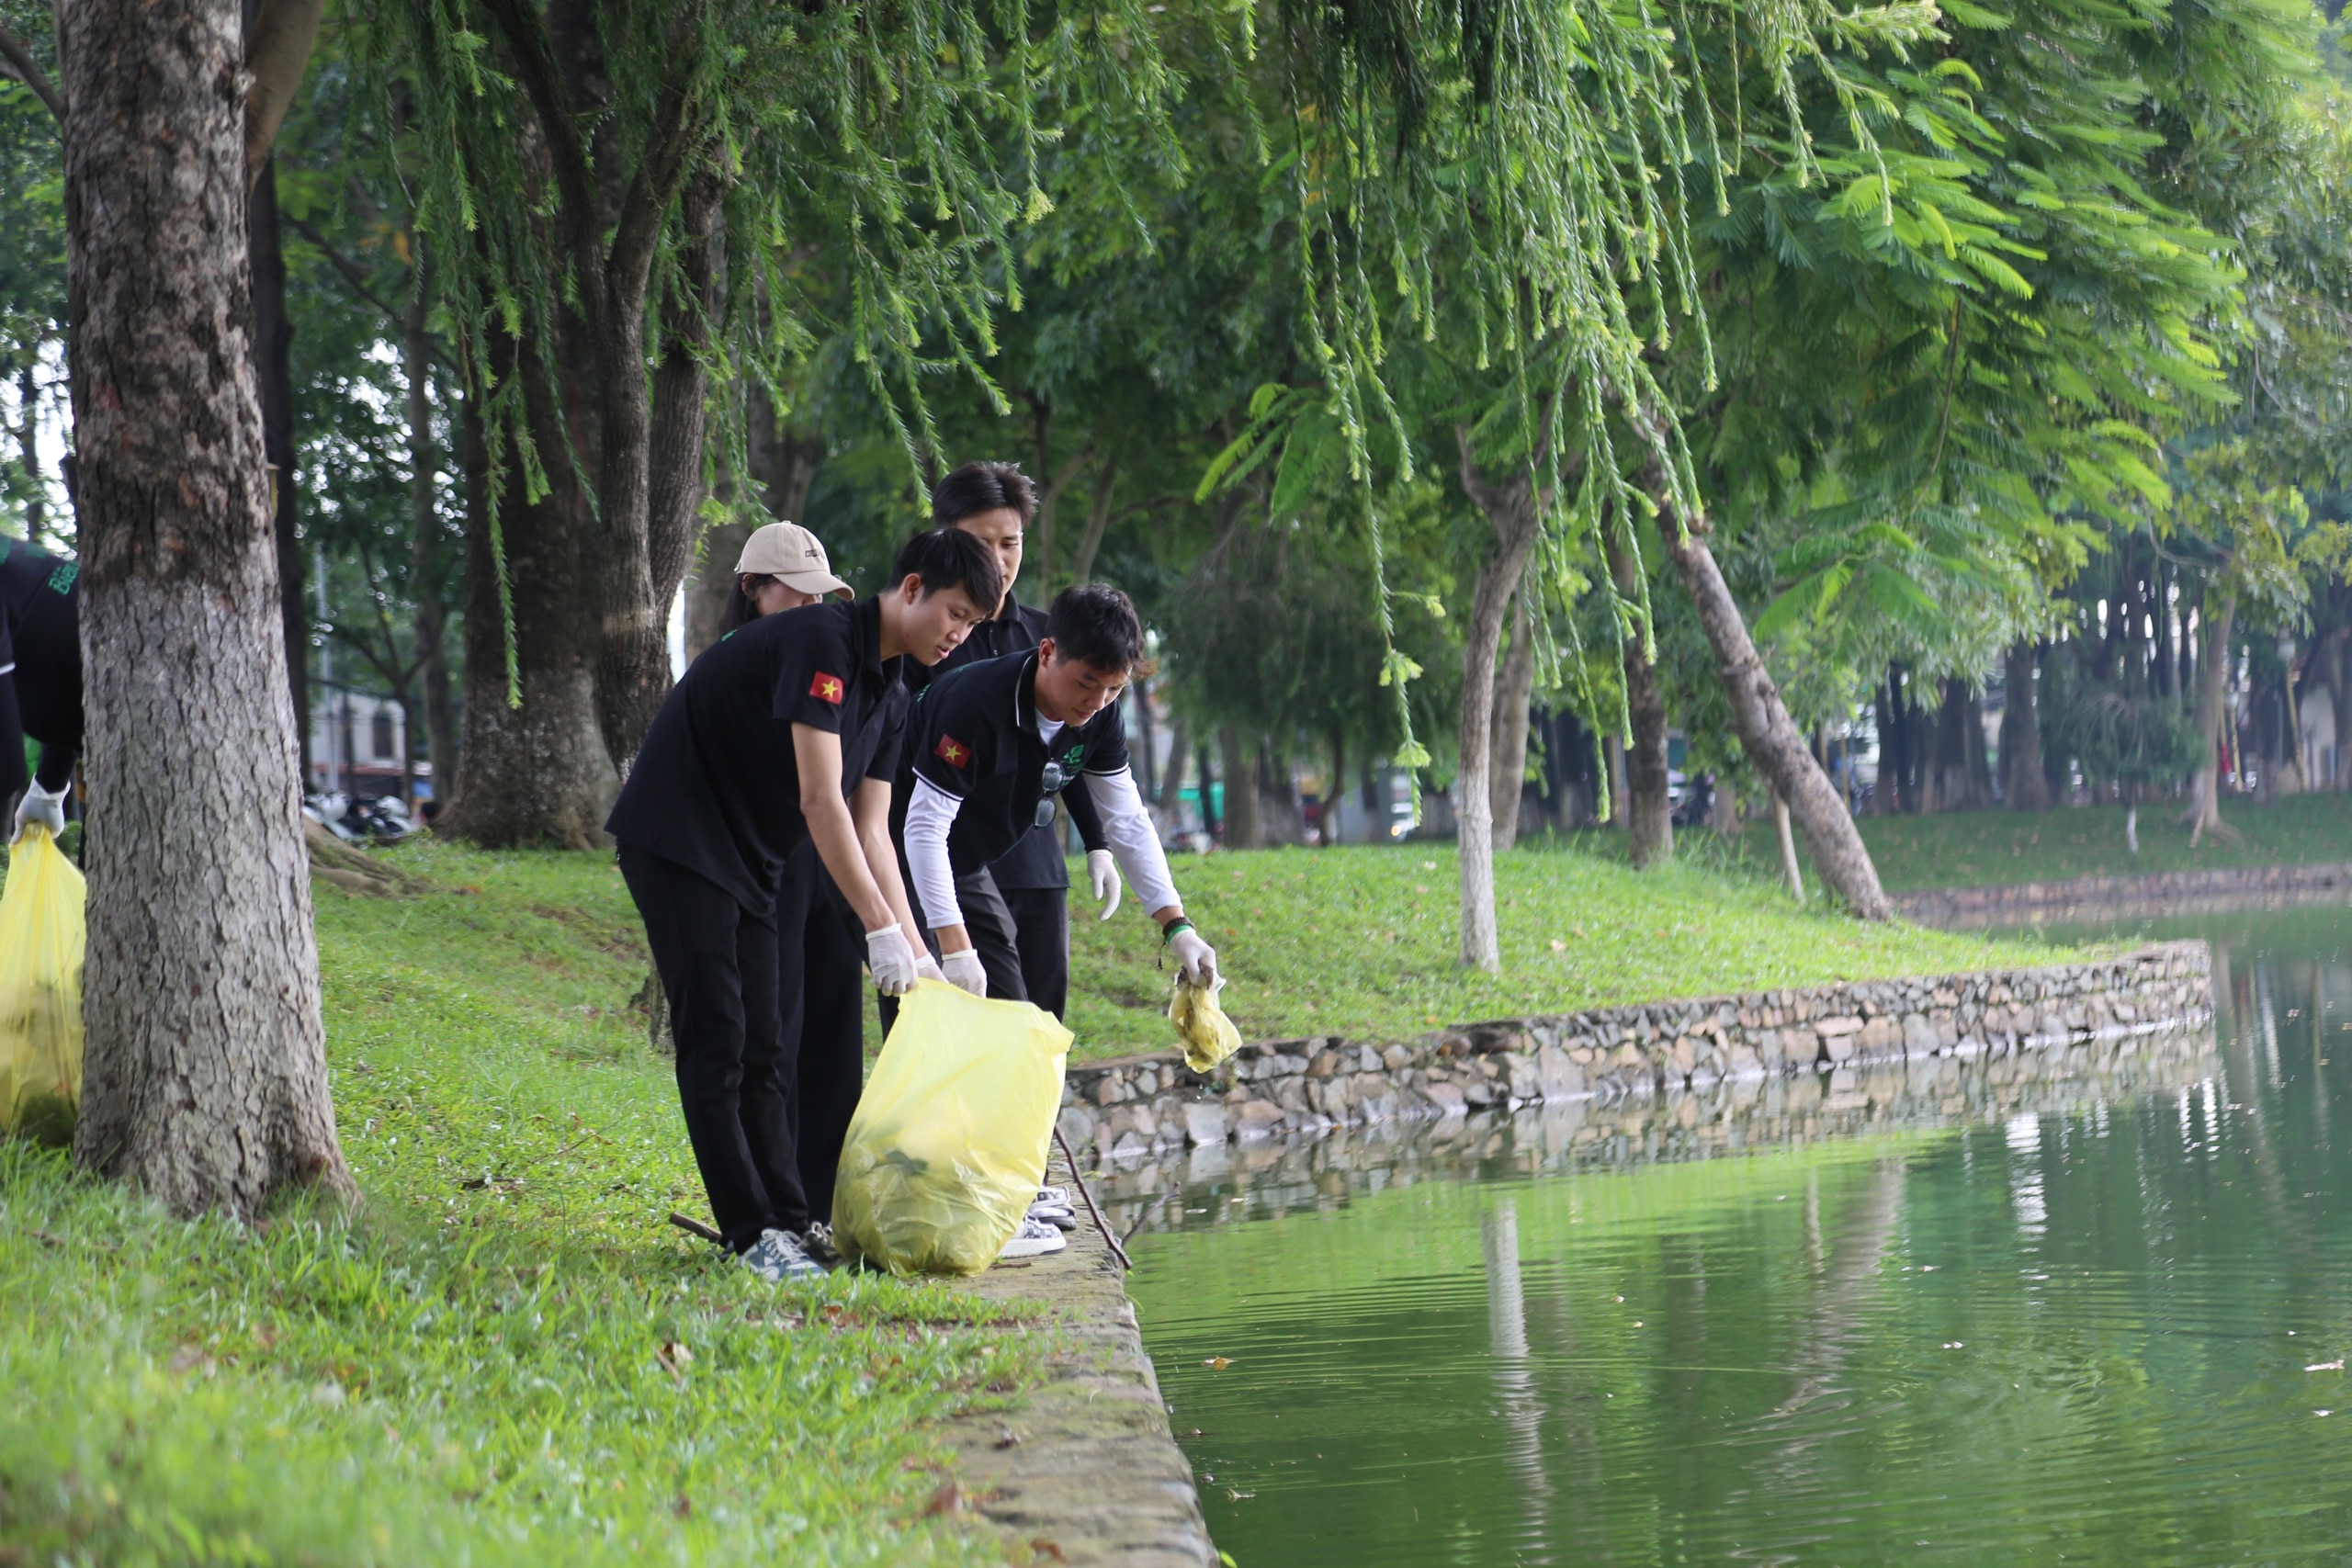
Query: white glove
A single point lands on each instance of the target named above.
(889, 954)
(1102, 876)
(1196, 958)
(927, 968)
(39, 805)
(964, 969)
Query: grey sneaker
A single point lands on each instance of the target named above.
(777, 1257)
(818, 1243)
(1033, 1237)
(1056, 1196)
(1054, 1214)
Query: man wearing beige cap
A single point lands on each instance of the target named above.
(782, 567)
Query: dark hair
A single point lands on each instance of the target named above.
(949, 557)
(741, 611)
(982, 487)
(1095, 624)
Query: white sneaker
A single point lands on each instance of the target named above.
(1055, 1215)
(777, 1257)
(1056, 1196)
(1033, 1237)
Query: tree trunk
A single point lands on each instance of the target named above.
(532, 772)
(1242, 830)
(1516, 513)
(1514, 688)
(2204, 814)
(1171, 780)
(2023, 788)
(427, 581)
(205, 1078)
(2340, 691)
(1790, 875)
(1769, 737)
(1649, 805)
(273, 362)
(1098, 517)
(1886, 791)
(680, 394)
(1280, 821)
(29, 448)
(784, 462)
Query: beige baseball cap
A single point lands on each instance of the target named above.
(790, 553)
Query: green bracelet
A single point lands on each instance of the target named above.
(1168, 932)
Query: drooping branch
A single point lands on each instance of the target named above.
(356, 277)
(28, 71)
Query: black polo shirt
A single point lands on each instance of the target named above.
(41, 657)
(715, 788)
(1036, 858)
(973, 733)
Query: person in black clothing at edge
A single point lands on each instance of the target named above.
(40, 681)
(987, 745)
(1017, 907)
(821, 999)
(780, 732)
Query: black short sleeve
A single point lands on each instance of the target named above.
(885, 765)
(950, 760)
(1106, 742)
(813, 675)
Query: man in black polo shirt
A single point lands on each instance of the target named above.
(41, 681)
(986, 746)
(1017, 909)
(784, 729)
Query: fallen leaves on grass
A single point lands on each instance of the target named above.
(1218, 1363)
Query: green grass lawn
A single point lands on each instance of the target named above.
(1972, 848)
(1360, 942)
(508, 1357)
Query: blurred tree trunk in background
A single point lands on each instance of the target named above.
(1242, 829)
(1514, 687)
(2023, 788)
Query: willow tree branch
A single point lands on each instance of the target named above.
(356, 277)
(534, 56)
(670, 148)
(20, 60)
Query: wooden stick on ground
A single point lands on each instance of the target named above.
(1100, 1223)
(693, 1227)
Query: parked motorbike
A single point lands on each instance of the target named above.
(374, 818)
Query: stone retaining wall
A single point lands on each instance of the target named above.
(2215, 891)
(1127, 1109)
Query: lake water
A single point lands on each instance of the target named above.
(2096, 1313)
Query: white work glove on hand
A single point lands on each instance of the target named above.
(1196, 958)
(964, 969)
(1102, 876)
(39, 805)
(927, 968)
(889, 954)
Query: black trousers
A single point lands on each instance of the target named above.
(718, 964)
(820, 952)
(1022, 935)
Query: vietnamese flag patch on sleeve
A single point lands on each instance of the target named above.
(826, 688)
(952, 751)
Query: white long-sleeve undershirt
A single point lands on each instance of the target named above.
(1127, 829)
(1134, 842)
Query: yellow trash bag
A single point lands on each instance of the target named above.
(1209, 1035)
(42, 937)
(948, 1144)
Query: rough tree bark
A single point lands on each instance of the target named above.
(682, 388)
(1242, 830)
(1516, 513)
(1769, 737)
(612, 228)
(784, 462)
(274, 366)
(1649, 807)
(205, 1080)
(2023, 788)
(1513, 689)
(2204, 814)
(426, 586)
(535, 773)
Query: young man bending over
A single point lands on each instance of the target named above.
(987, 747)
(784, 729)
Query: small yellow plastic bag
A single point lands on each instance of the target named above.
(948, 1144)
(1209, 1035)
(41, 938)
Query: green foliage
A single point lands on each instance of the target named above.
(1976, 848)
(2134, 739)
